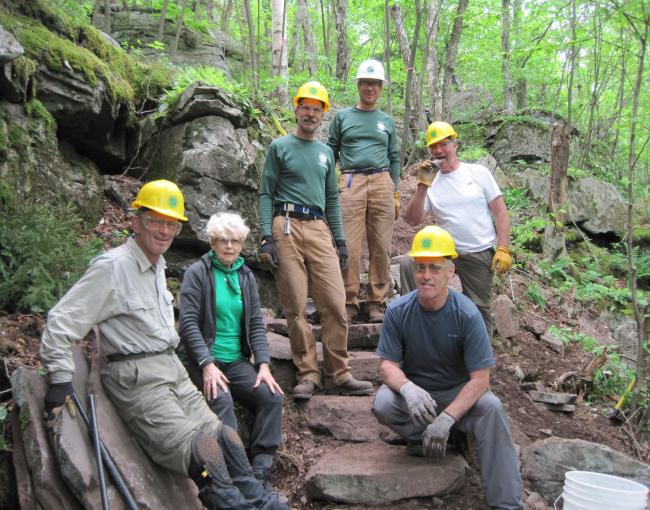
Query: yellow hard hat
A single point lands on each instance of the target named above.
(161, 196)
(439, 131)
(433, 241)
(313, 90)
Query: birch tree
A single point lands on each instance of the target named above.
(505, 59)
(279, 65)
(309, 42)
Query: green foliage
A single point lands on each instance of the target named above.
(41, 254)
(472, 153)
(527, 233)
(36, 110)
(517, 199)
(524, 120)
(536, 295)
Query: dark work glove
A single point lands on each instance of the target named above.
(343, 253)
(269, 253)
(434, 439)
(57, 396)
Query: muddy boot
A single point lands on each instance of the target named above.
(242, 474)
(209, 472)
(262, 463)
(304, 390)
(375, 313)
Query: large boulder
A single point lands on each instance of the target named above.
(524, 140)
(10, 49)
(545, 462)
(38, 167)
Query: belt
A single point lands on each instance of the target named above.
(297, 215)
(365, 171)
(118, 356)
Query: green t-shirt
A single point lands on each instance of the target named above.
(365, 139)
(228, 313)
(298, 171)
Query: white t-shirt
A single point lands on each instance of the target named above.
(459, 202)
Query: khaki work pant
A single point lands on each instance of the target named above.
(367, 204)
(161, 407)
(309, 264)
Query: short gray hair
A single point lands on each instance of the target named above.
(227, 224)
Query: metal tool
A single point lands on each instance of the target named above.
(94, 432)
(287, 224)
(119, 482)
(616, 414)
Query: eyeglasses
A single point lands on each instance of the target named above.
(235, 243)
(440, 145)
(152, 223)
(367, 83)
(310, 109)
(434, 268)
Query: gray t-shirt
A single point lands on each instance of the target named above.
(436, 350)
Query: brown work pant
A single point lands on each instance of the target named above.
(367, 204)
(309, 264)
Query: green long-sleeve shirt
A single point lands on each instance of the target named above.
(365, 139)
(298, 171)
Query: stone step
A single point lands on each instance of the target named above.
(345, 418)
(360, 336)
(363, 364)
(378, 473)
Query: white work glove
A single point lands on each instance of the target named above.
(427, 171)
(434, 439)
(422, 407)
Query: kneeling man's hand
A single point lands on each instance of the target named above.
(422, 407)
(434, 439)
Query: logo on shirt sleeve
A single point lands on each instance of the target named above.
(381, 127)
(322, 159)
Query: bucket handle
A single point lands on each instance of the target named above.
(555, 502)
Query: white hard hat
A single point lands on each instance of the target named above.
(371, 69)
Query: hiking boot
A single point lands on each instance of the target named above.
(351, 313)
(304, 389)
(351, 387)
(375, 314)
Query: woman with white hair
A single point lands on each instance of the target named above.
(220, 327)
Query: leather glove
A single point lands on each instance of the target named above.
(427, 171)
(58, 395)
(397, 199)
(502, 260)
(422, 407)
(269, 252)
(344, 255)
(434, 439)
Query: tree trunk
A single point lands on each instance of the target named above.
(342, 49)
(572, 63)
(620, 95)
(388, 87)
(161, 21)
(179, 29)
(308, 37)
(451, 52)
(520, 81)
(278, 49)
(97, 8)
(505, 60)
(107, 16)
(251, 40)
(432, 62)
(225, 16)
(554, 244)
(325, 29)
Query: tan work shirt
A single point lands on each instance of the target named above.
(126, 296)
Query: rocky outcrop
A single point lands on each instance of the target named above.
(138, 30)
(596, 206)
(521, 141)
(545, 462)
(10, 49)
(505, 316)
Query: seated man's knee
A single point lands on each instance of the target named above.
(383, 405)
(224, 407)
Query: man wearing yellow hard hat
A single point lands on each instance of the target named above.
(364, 141)
(297, 193)
(465, 200)
(124, 293)
(435, 367)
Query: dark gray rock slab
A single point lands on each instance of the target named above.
(548, 397)
(597, 206)
(344, 418)
(24, 485)
(545, 462)
(49, 488)
(376, 473)
(553, 342)
(505, 317)
(360, 336)
(199, 100)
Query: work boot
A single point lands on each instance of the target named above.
(351, 387)
(262, 463)
(375, 313)
(351, 313)
(304, 389)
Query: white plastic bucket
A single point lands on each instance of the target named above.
(584, 490)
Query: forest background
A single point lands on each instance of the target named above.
(466, 62)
